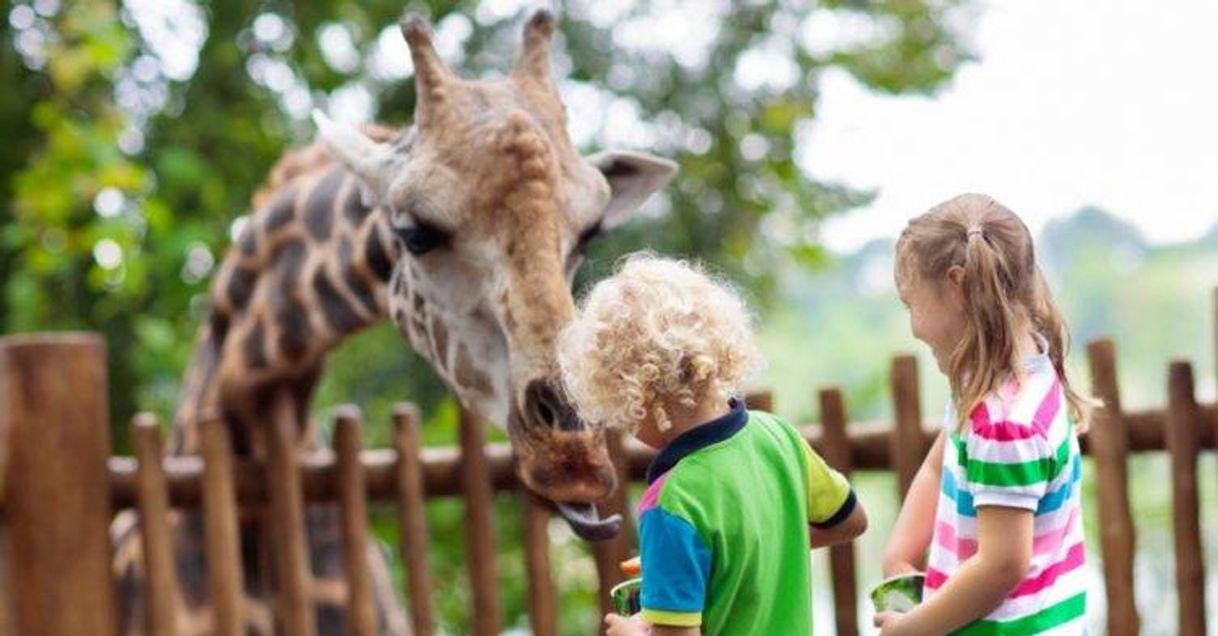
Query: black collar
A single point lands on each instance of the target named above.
(697, 438)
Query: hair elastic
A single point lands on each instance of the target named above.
(975, 231)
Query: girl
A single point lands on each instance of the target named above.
(997, 498)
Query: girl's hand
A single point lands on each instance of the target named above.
(889, 623)
(625, 626)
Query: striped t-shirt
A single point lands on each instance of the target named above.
(1018, 450)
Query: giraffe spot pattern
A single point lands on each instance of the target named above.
(247, 243)
(241, 286)
(334, 307)
(352, 279)
(439, 339)
(319, 210)
(281, 212)
(354, 209)
(381, 266)
(255, 347)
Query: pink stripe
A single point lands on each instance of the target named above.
(1006, 431)
(1052, 540)
(1046, 543)
(980, 416)
(1048, 408)
(1074, 559)
(934, 579)
(652, 495)
(945, 537)
(1003, 431)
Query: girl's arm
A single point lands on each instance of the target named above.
(912, 532)
(1004, 548)
(853, 525)
(636, 626)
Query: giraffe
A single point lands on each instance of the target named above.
(465, 229)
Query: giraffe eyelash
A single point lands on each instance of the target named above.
(587, 236)
(421, 238)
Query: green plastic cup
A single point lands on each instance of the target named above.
(626, 599)
(899, 593)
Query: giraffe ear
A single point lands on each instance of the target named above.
(374, 163)
(633, 177)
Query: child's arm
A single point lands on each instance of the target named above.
(853, 526)
(835, 514)
(912, 533)
(1004, 548)
(636, 626)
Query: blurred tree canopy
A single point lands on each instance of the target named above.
(137, 131)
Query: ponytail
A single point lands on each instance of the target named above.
(988, 350)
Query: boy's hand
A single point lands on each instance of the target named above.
(625, 626)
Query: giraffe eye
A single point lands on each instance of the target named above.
(422, 238)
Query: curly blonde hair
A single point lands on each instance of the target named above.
(657, 332)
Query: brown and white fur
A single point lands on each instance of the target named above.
(465, 229)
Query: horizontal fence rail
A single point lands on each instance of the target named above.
(868, 446)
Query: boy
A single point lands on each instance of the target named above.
(735, 498)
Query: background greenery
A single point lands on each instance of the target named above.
(137, 130)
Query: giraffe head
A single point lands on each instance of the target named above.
(492, 206)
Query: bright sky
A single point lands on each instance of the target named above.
(1111, 103)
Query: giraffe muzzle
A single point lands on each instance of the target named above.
(566, 461)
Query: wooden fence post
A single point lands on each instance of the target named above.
(479, 527)
(907, 444)
(55, 433)
(160, 580)
(841, 557)
(220, 527)
(543, 601)
(1183, 428)
(412, 517)
(361, 617)
(287, 521)
(1109, 441)
(610, 553)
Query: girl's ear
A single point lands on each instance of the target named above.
(955, 284)
(955, 275)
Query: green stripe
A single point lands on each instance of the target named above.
(1044, 620)
(1015, 474)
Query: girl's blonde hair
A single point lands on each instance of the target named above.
(658, 332)
(1003, 288)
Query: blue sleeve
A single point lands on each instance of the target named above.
(676, 569)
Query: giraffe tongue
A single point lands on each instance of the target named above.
(586, 521)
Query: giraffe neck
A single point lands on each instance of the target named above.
(310, 268)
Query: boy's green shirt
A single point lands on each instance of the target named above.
(723, 526)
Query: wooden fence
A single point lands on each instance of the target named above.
(59, 488)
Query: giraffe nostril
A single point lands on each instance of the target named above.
(547, 408)
(545, 413)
